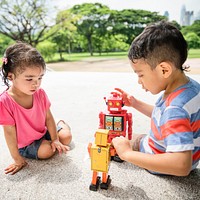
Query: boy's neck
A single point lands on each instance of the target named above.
(175, 81)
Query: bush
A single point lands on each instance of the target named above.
(47, 49)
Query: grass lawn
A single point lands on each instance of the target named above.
(193, 53)
(82, 56)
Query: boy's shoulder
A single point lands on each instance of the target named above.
(186, 94)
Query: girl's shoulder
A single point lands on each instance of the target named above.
(4, 96)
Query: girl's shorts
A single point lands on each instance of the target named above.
(31, 150)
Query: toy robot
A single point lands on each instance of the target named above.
(115, 119)
(100, 154)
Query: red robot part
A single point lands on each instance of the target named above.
(116, 119)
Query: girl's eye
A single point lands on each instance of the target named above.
(29, 79)
(140, 76)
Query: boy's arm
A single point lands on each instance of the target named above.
(176, 163)
(131, 101)
(11, 140)
(142, 107)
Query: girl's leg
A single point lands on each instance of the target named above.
(64, 133)
(45, 150)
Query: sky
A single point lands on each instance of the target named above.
(160, 6)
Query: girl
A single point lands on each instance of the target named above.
(29, 127)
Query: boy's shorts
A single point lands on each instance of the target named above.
(31, 150)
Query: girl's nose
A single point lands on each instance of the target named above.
(139, 81)
(36, 83)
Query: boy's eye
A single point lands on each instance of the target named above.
(29, 79)
(140, 75)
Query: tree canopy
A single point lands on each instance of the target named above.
(24, 20)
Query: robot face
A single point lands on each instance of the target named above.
(114, 105)
(115, 102)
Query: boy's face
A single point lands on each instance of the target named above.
(28, 81)
(151, 80)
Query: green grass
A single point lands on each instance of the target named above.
(83, 56)
(193, 53)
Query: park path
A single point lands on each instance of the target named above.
(109, 65)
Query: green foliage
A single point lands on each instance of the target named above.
(88, 27)
(47, 49)
(4, 43)
(193, 40)
(195, 28)
(24, 20)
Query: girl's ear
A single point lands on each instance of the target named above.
(166, 69)
(10, 76)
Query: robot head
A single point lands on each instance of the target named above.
(114, 102)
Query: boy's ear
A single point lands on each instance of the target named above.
(166, 69)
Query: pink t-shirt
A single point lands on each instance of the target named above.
(30, 123)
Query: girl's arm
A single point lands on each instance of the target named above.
(176, 163)
(11, 140)
(131, 101)
(51, 127)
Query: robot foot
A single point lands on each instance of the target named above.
(106, 185)
(116, 158)
(95, 187)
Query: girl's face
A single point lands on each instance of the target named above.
(28, 81)
(151, 80)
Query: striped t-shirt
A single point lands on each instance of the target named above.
(175, 123)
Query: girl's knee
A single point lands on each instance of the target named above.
(65, 136)
(45, 150)
(64, 133)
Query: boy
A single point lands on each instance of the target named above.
(172, 146)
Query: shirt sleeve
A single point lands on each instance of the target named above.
(6, 115)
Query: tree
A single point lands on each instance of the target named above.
(4, 43)
(92, 21)
(193, 40)
(131, 22)
(195, 27)
(66, 31)
(24, 20)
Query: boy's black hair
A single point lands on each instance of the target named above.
(160, 42)
(19, 56)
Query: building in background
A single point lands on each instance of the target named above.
(187, 17)
(166, 14)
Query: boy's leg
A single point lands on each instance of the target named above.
(135, 142)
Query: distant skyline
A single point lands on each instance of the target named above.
(172, 6)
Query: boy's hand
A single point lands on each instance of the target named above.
(59, 146)
(122, 146)
(15, 167)
(128, 99)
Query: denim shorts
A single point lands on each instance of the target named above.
(31, 151)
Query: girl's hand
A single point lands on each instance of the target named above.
(56, 144)
(122, 146)
(15, 167)
(128, 99)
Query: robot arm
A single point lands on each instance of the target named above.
(101, 119)
(130, 123)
